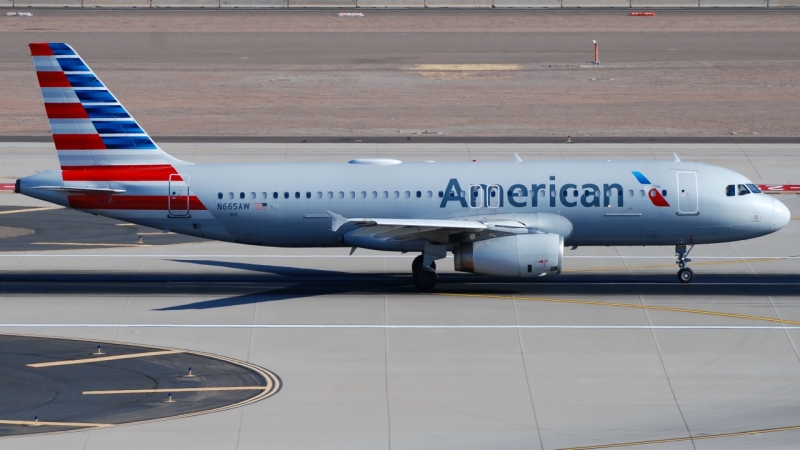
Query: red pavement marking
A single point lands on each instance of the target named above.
(777, 188)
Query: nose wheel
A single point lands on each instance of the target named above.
(685, 274)
(425, 278)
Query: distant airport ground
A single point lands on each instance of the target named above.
(706, 74)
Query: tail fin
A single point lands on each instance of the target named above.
(91, 130)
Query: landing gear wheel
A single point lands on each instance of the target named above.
(685, 275)
(425, 279)
(418, 263)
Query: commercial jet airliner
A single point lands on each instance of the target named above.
(508, 219)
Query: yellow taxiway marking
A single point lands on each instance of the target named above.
(694, 438)
(464, 67)
(104, 358)
(659, 266)
(53, 424)
(629, 305)
(90, 245)
(43, 208)
(172, 391)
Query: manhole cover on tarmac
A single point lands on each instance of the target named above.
(53, 384)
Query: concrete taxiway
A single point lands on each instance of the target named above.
(615, 352)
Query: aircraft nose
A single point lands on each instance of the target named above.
(780, 215)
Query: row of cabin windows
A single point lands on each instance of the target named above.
(429, 194)
(331, 195)
(732, 190)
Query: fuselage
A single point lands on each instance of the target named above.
(285, 205)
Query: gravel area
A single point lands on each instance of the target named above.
(397, 73)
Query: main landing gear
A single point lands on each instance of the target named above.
(425, 278)
(685, 274)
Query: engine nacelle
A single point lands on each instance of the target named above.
(521, 255)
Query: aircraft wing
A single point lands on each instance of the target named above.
(455, 224)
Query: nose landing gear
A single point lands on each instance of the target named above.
(685, 274)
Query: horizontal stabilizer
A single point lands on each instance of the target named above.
(81, 190)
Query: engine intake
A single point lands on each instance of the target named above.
(522, 255)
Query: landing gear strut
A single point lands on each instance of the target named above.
(685, 274)
(425, 278)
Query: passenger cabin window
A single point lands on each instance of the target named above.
(408, 194)
(742, 189)
(308, 194)
(285, 195)
(219, 196)
(274, 195)
(253, 195)
(730, 190)
(319, 194)
(241, 195)
(429, 194)
(264, 195)
(754, 189)
(230, 195)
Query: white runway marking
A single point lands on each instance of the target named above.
(398, 327)
(47, 255)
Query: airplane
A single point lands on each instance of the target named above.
(507, 219)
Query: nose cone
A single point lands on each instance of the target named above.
(780, 215)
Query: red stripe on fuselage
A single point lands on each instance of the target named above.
(52, 79)
(133, 202)
(65, 111)
(159, 172)
(40, 49)
(78, 142)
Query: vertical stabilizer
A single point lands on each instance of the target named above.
(95, 136)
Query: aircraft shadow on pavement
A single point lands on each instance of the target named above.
(281, 283)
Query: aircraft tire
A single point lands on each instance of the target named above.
(418, 263)
(425, 280)
(685, 275)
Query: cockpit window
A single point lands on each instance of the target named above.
(754, 189)
(730, 190)
(742, 189)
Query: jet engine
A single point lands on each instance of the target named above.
(521, 255)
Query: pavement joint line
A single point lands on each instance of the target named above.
(54, 424)
(103, 358)
(689, 438)
(628, 305)
(156, 391)
(90, 244)
(401, 327)
(42, 208)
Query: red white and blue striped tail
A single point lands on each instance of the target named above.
(95, 136)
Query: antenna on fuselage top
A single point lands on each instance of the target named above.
(675, 157)
(517, 158)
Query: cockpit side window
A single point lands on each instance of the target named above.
(754, 189)
(743, 189)
(730, 190)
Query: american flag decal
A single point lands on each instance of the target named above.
(260, 206)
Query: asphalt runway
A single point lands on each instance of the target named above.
(54, 385)
(614, 352)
